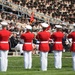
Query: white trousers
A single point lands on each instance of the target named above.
(3, 60)
(19, 47)
(73, 60)
(43, 60)
(27, 59)
(58, 59)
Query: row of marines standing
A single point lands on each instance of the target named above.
(44, 37)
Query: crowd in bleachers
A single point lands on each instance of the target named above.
(52, 11)
(63, 10)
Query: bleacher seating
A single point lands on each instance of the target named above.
(51, 11)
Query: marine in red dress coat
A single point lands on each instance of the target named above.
(4, 46)
(4, 37)
(58, 47)
(72, 35)
(28, 39)
(57, 38)
(43, 37)
(27, 47)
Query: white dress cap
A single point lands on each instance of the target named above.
(58, 26)
(4, 23)
(44, 25)
(28, 27)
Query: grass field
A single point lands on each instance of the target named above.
(16, 67)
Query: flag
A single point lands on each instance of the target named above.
(32, 17)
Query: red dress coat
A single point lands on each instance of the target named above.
(43, 37)
(28, 38)
(4, 37)
(72, 35)
(57, 38)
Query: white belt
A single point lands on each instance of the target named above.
(44, 41)
(27, 43)
(4, 42)
(58, 42)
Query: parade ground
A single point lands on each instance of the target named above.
(16, 66)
